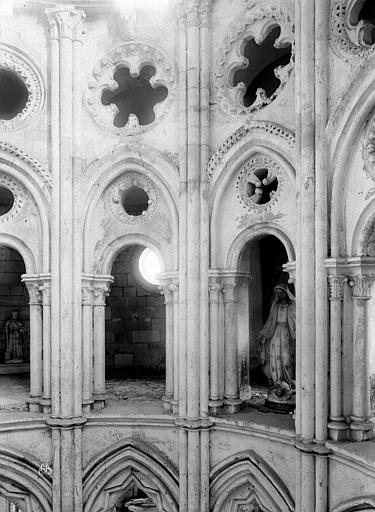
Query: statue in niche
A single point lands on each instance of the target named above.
(277, 350)
(15, 337)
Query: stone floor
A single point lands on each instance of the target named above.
(14, 391)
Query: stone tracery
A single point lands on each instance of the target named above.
(256, 24)
(133, 56)
(15, 62)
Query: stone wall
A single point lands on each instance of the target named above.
(135, 320)
(13, 293)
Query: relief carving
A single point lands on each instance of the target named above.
(259, 183)
(16, 62)
(256, 24)
(133, 56)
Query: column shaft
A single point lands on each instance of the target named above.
(231, 388)
(36, 338)
(215, 399)
(87, 348)
(99, 352)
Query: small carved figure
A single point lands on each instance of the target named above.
(15, 339)
(277, 342)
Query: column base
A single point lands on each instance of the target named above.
(33, 404)
(167, 402)
(45, 404)
(214, 406)
(87, 405)
(232, 405)
(99, 401)
(175, 406)
(338, 430)
(360, 429)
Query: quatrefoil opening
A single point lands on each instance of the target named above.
(265, 60)
(134, 96)
(261, 186)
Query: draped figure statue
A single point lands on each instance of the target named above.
(277, 340)
(15, 339)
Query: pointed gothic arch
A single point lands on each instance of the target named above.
(22, 484)
(246, 479)
(112, 471)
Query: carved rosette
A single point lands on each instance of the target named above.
(15, 61)
(134, 55)
(348, 36)
(255, 23)
(361, 284)
(114, 194)
(336, 286)
(20, 197)
(248, 175)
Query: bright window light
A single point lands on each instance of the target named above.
(6, 7)
(128, 5)
(149, 266)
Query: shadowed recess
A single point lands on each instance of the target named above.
(135, 201)
(263, 60)
(6, 200)
(134, 95)
(13, 94)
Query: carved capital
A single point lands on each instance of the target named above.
(45, 290)
(167, 291)
(87, 295)
(65, 22)
(34, 293)
(229, 289)
(214, 288)
(361, 284)
(100, 294)
(336, 286)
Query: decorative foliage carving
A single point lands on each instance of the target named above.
(133, 55)
(38, 168)
(257, 23)
(16, 62)
(348, 32)
(115, 192)
(336, 286)
(19, 194)
(65, 22)
(248, 180)
(193, 13)
(361, 284)
(254, 126)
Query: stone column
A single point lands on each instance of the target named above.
(360, 424)
(337, 426)
(215, 291)
(36, 342)
(45, 289)
(87, 345)
(232, 400)
(167, 291)
(101, 291)
(176, 348)
(65, 23)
